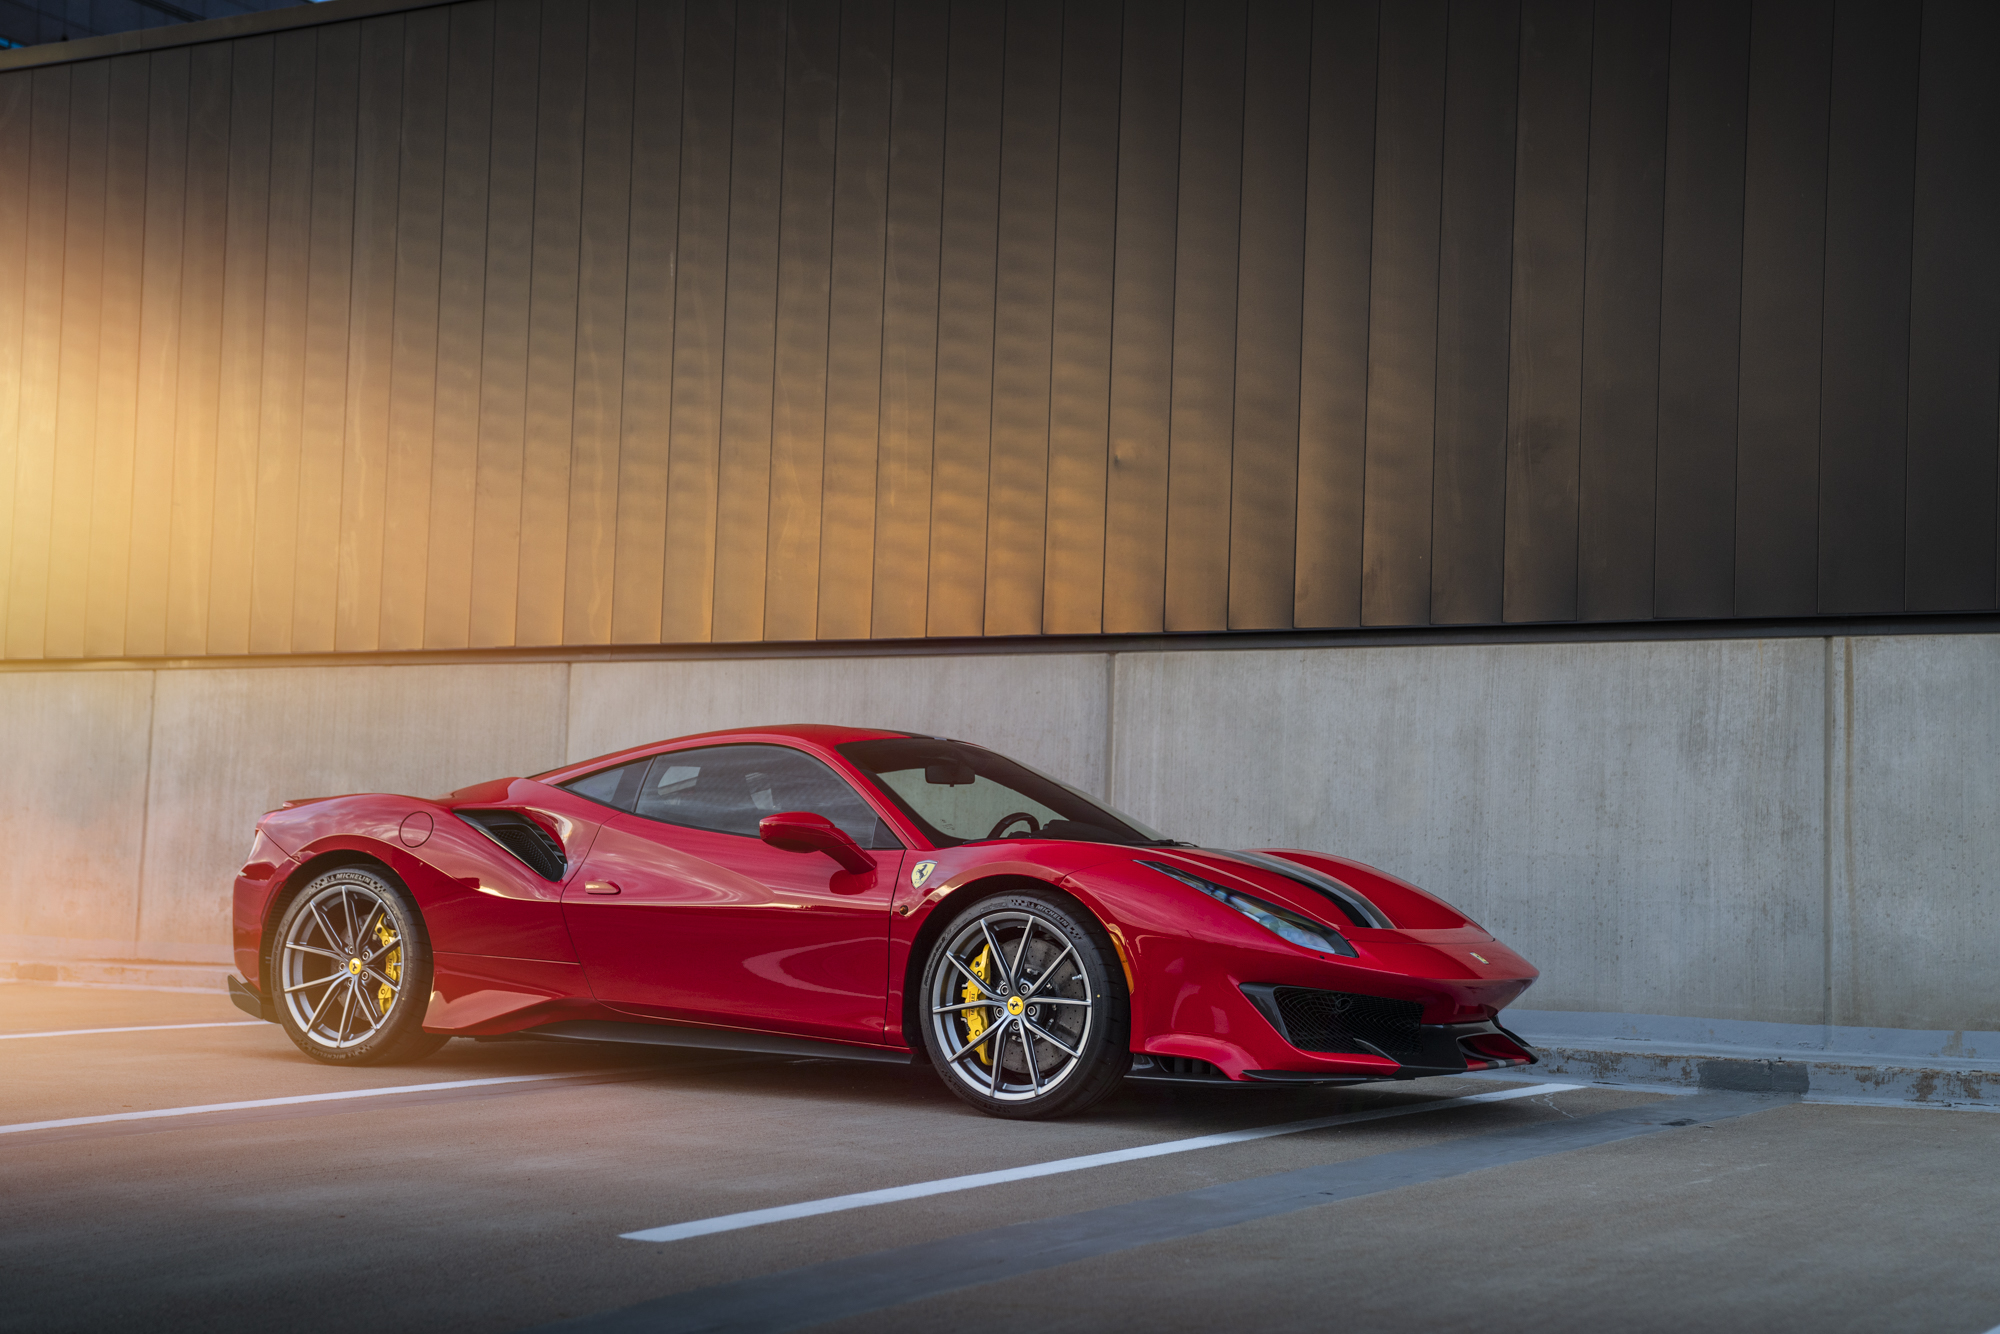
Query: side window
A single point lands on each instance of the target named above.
(617, 786)
(730, 788)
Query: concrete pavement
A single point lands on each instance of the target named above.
(490, 1206)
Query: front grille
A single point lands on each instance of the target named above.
(523, 837)
(1339, 1021)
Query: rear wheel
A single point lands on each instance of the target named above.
(1026, 1012)
(352, 968)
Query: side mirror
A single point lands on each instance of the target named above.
(803, 831)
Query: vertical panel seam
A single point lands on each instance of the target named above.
(923, 617)
(138, 316)
(1437, 317)
(1582, 321)
(223, 322)
(568, 710)
(21, 397)
(1827, 725)
(1819, 361)
(1735, 472)
(1368, 336)
(1910, 289)
(1305, 245)
(1847, 785)
(477, 333)
(777, 300)
(1110, 726)
(561, 617)
(1055, 265)
(1173, 303)
(882, 308)
(145, 807)
(1110, 330)
(437, 339)
(992, 326)
(249, 575)
(1513, 286)
(534, 157)
(617, 440)
(385, 334)
(1235, 351)
(826, 342)
(1660, 310)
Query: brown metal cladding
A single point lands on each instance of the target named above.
(526, 323)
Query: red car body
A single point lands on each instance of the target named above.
(725, 940)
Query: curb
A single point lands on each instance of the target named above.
(1832, 1078)
(130, 974)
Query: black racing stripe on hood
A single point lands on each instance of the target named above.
(1354, 905)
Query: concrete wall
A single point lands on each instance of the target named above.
(1642, 820)
(1791, 831)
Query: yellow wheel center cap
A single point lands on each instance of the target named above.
(354, 967)
(1014, 1005)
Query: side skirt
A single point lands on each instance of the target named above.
(715, 1039)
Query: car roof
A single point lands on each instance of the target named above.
(822, 735)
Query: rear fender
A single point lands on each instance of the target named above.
(474, 896)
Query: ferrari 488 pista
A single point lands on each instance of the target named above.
(860, 893)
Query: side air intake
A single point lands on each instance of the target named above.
(523, 837)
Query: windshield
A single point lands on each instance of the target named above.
(959, 793)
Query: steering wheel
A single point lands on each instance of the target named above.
(1034, 825)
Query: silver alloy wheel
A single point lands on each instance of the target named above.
(341, 963)
(1011, 1008)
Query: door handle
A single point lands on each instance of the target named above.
(600, 887)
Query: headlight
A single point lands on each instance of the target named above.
(1280, 922)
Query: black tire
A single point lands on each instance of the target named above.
(348, 940)
(1053, 1051)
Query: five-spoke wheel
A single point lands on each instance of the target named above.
(351, 969)
(1027, 1014)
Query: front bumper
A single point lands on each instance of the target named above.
(249, 1000)
(1327, 1023)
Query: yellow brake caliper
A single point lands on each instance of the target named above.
(975, 1020)
(392, 966)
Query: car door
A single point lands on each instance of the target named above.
(682, 912)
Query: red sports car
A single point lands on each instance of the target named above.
(853, 892)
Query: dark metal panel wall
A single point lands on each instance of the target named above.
(1333, 333)
(1475, 268)
(647, 374)
(109, 565)
(1784, 263)
(1142, 326)
(1618, 425)
(1086, 208)
(1701, 308)
(424, 74)
(536, 322)
(1955, 314)
(855, 317)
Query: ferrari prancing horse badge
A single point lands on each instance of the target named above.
(920, 873)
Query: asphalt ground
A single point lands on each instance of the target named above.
(497, 1206)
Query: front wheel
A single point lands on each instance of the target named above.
(353, 971)
(1027, 1014)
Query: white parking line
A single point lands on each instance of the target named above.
(139, 1028)
(292, 1101)
(702, 1227)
